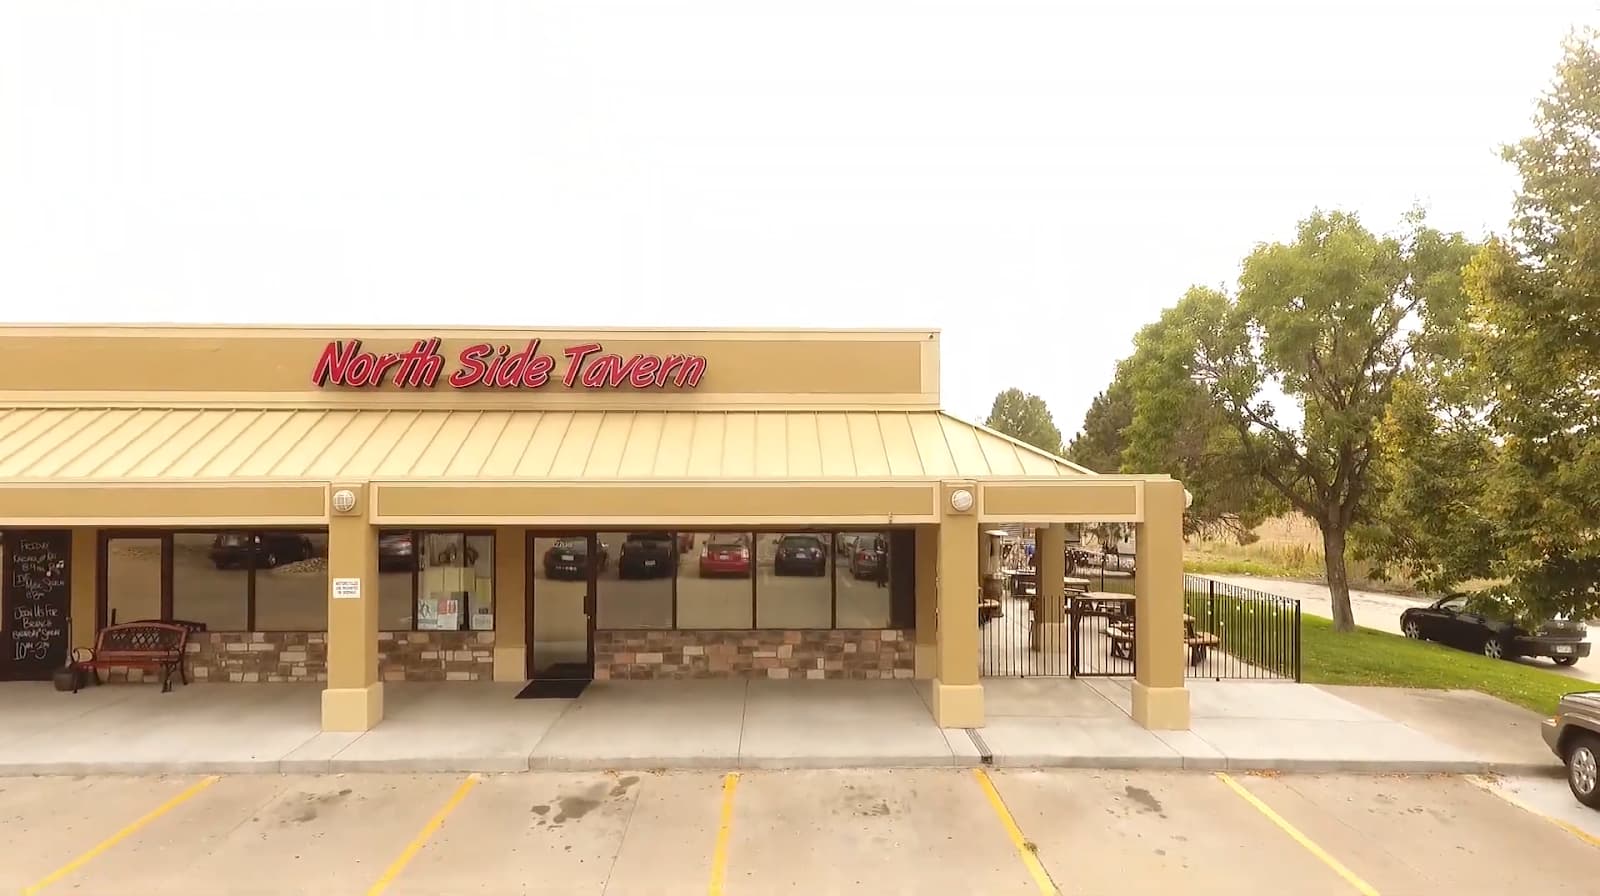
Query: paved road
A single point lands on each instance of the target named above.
(811, 832)
(1382, 612)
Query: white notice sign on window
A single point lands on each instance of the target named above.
(346, 588)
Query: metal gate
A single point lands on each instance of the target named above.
(1093, 637)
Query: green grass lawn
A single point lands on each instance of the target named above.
(1367, 657)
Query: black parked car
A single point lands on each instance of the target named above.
(1481, 624)
(800, 555)
(232, 550)
(648, 555)
(568, 559)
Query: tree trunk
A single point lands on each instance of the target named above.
(1344, 619)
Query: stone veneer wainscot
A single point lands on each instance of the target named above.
(303, 656)
(816, 654)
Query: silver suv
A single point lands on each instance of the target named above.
(1574, 734)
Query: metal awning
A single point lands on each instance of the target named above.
(160, 445)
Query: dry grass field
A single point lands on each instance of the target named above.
(1288, 546)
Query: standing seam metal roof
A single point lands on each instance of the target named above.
(166, 444)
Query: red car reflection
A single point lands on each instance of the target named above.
(725, 555)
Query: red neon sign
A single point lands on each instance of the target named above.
(489, 366)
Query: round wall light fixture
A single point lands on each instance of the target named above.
(344, 500)
(961, 500)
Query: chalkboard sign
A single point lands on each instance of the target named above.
(37, 599)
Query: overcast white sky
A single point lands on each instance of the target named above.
(1036, 179)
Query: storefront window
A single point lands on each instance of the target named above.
(133, 579)
(455, 587)
(397, 580)
(211, 579)
(864, 580)
(794, 587)
(714, 580)
(637, 591)
(291, 581)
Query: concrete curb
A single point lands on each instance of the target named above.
(1171, 762)
(517, 765)
(608, 763)
(780, 763)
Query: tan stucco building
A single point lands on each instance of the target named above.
(367, 504)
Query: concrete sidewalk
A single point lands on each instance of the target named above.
(269, 728)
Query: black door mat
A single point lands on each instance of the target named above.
(553, 689)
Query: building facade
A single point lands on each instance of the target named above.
(358, 506)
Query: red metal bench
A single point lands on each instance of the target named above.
(157, 646)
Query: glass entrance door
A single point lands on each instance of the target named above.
(561, 626)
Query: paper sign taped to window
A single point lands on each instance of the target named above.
(346, 588)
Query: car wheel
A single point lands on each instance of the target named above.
(1494, 648)
(1565, 660)
(1412, 629)
(1583, 770)
(269, 560)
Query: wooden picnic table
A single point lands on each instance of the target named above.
(1198, 643)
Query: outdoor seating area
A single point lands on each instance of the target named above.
(1096, 636)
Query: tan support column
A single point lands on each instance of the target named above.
(957, 696)
(927, 640)
(85, 600)
(1159, 698)
(1049, 631)
(353, 700)
(510, 604)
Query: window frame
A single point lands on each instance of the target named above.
(169, 578)
(165, 535)
(102, 571)
(756, 533)
(416, 536)
(755, 573)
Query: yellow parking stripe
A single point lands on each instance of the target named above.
(1572, 829)
(1025, 850)
(1349, 876)
(121, 835)
(719, 855)
(421, 840)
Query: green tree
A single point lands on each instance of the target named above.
(1332, 321)
(1179, 433)
(1025, 417)
(1437, 459)
(1099, 444)
(1502, 476)
(1536, 307)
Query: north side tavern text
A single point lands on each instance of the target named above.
(485, 365)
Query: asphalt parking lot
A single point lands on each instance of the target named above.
(881, 831)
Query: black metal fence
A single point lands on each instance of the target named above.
(1253, 634)
(1230, 632)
